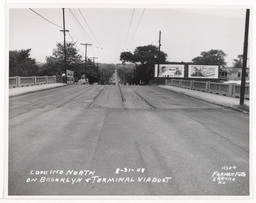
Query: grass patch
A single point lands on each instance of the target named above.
(243, 107)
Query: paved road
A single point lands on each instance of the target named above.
(125, 140)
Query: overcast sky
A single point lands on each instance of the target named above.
(185, 32)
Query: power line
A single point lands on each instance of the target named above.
(171, 19)
(129, 27)
(80, 24)
(89, 27)
(92, 34)
(72, 39)
(45, 18)
(138, 24)
(58, 27)
(76, 19)
(68, 32)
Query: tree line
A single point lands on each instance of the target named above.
(21, 64)
(144, 59)
(136, 67)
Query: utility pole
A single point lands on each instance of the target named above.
(158, 57)
(85, 59)
(102, 77)
(93, 59)
(65, 51)
(94, 66)
(98, 72)
(134, 75)
(242, 90)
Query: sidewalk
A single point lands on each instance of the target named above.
(25, 90)
(208, 97)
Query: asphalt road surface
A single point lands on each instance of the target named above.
(125, 140)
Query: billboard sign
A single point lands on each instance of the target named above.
(70, 76)
(170, 70)
(203, 71)
(70, 73)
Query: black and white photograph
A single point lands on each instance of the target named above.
(128, 100)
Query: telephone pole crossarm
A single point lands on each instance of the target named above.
(85, 56)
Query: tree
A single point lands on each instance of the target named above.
(238, 63)
(212, 57)
(127, 57)
(20, 63)
(72, 56)
(144, 58)
(55, 63)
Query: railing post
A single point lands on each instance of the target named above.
(34, 80)
(191, 84)
(46, 79)
(18, 81)
(180, 83)
(171, 82)
(230, 90)
(207, 86)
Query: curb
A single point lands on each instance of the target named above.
(40, 90)
(205, 100)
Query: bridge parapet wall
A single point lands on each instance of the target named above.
(200, 86)
(176, 82)
(188, 84)
(236, 91)
(230, 90)
(30, 81)
(219, 88)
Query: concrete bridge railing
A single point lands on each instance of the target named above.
(186, 84)
(230, 90)
(200, 86)
(223, 89)
(30, 81)
(236, 91)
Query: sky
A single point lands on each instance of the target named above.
(185, 32)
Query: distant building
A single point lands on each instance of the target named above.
(236, 74)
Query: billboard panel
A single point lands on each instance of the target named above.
(203, 71)
(70, 76)
(70, 73)
(170, 70)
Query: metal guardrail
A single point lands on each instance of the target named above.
(231, 90)
(30, 81)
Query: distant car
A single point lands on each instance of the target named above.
(83, 81)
